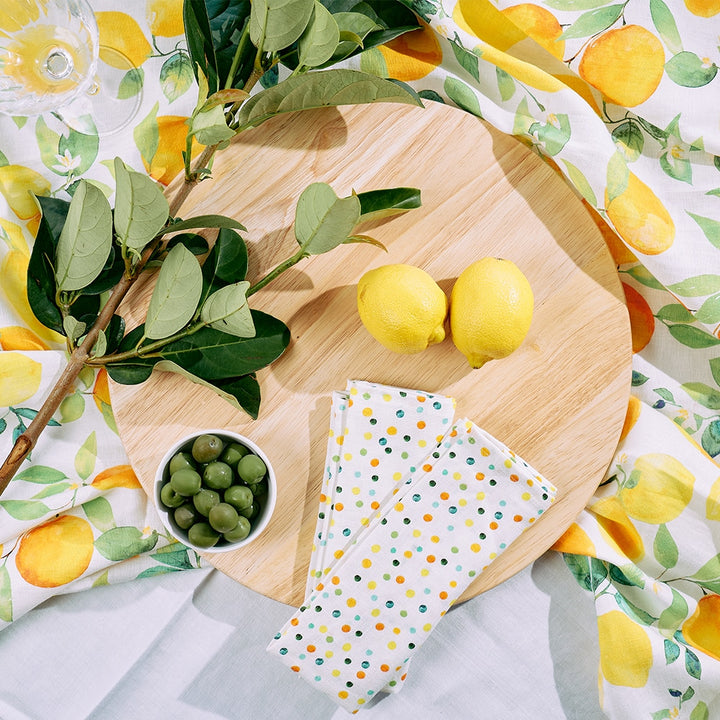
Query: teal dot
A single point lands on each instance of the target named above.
(437, 405)
(502, 503)
(400, 413)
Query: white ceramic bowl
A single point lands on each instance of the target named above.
(258, 524)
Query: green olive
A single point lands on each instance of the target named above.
(207, 448)
(251, 469)
(202, 535)
(186, 515)
(217, 475)
(223, 517)
(205, 500)
(250, 512)
(259, 489)
(239, 532)
(239, 496)
(186, 481)
(233, 454)
(169, 497)
(179, 461)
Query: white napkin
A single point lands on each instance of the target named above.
(455, 512)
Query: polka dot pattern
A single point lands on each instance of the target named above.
(452, 515)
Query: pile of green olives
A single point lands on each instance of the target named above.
(214, 490)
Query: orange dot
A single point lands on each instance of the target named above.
(399, 579)
(335, 580)
(339, 506)
(323, 497)
(342, 694)
(480, 476)
(379, 626)
(295, 668)
(311, 648)
(431, 558)
(402, 677)
(514, 477)
(427, 467)
(427, 517)
(294, 621)
(493, 525)
(360, 674)
(443, 595)
(319, 586)
(484, 452)
(374, 462)
(642, 320)
(421, 398)
(517, 518)
(444, 496)
(396, 631)
(374, 504)
(421, 424)
(384, 667)
(453, 433)
(345, 628)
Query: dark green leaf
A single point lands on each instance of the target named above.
(688, 70)
(376, 204)
(672, 651)
(629, 138)
(213, 355)
(638, 378)
(193, 242)
(204, 221)
(588, 571)
(175, 558)
(692, 664)
(131, 372)
(469, 61)
(323, 88)
(710, 440)
(627, 575)
(633, 611)
(41, 288)
(109, 276)
(226, 263)
(114, 333)
(121, 543)
(227, 23)
(199, 41)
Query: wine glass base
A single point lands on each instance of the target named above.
(113, 100)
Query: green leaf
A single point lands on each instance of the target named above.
(193, 242)
(214, 355)
(377, 204)
(709, 226)
(48, 142)
(633, 611)
(462, 95)
(665, 548)
(593, 22)
(322, 220)
(672, 651)
(692, 664)
(709, 571)
(242, 392)
(6, 602)
(205, 221)
(553, 137)
(673, 616)
(176, 76)
(629, 139)
(664, 22)
(41, 474)
(700, 712)
(638, 378)
(173, 556)
(715, 369)
(131, 83)
(709, 311)
(277, 24)
(322, 88)
(147, 137)
(51, 490)
(589, 572)
(643, 276)
(85, 240)
(466, 59)
(675, 313)
(25, 509)
(100, 513)
(198, 36)
(121, 543)
(320, 38)
(353, 27)
(73, 328)
(209, 126)
(506, 84)
(580, 182)
(83, 145)
(227, 310)
(693, 337)
(176, 294)
(704, 394)
(617, 176)
(72, 407)
(676, 166)
(140, 207)
(665, 394)
(226, 263)
(86, 457)
(696, 286)
(627, 575)
(688, 70)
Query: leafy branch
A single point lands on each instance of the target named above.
(87, 255)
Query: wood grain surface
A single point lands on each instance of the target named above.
(559, 401)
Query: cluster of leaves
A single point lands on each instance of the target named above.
(234, 44)
(198, 322)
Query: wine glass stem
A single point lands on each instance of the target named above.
(59, 64)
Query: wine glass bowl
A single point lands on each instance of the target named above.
(48, 54)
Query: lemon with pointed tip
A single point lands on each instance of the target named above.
(402, 307)
(491, 308)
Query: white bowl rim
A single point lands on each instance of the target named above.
(268, 506)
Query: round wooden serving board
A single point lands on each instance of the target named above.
(559, 401)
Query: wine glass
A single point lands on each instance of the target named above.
(50, 62)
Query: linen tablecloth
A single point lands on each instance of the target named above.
(621, 99)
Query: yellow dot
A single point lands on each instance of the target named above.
(399, 507)
(492, 555)
(356, 491)
(462, 502)
(416, 533)
(427, 627)
(410, 593)
(323, 628)
(351, 602)
(368, 436)
(335, 673)
(329, 654)
(435, 539)
(469, 522)
(353, 391)
(364, 521)
(346, 646)
(508, 463)
(526, 496)
(375, 548)
(392, 645)
(422, 443)
(424, 572)
(347, 456)
(408, 553)
(457, 476)
(386, 397)
(397, 476)
(367, 412)
(338, 554)
(480, 496)
(342, 694)
(361, 701)
(340, 440)
(372, 585)
(366, 563)
(475, 547)
(375, 612)
(392, 430)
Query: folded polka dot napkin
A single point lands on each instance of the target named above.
(450, 516)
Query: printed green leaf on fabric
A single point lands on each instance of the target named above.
(121, 543)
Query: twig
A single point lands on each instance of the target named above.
(27, 440)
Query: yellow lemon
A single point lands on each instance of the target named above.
(625, 650)
(631, 416)
(168, 161)
(56, 552)
(19, 184)
(486, 22)
(658, 489)
(402, 307)
(413, 55)
(165, 17)
(606, 65)
(702, 629)
(712, 504)
(16, 14)
(618, 249)
(15, 337)
(640, 218)
(120, 33)
(540, 24)
(491, 308)
(703, 8)
(117, 476)
(617, 528)
(19, 378)
(575, 540)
